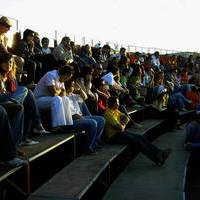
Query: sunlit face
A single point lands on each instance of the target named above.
(7, 66)
(4, 28)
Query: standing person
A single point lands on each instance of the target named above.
(116, 133)
(50, 94)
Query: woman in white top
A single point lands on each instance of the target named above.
(50, 94)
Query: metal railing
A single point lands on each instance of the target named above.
(92, 42)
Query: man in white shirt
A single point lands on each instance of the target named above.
(50, 94)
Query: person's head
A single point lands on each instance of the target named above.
(45, 42)
(113, 103)
(106, 49)
(123, 51)
(66, 41)
(7, 65)
(98, 69)
(102, 86)
(65, 73)
(36, 38)
(156, 54)
(114, 71)
(28, 35)
(86, 73)
(5, 25)
(125, 72)
(70, 86)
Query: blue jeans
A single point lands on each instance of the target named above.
(137, 142)
(177, 100)
(94, 126)
(7, 145)
(11, 129)
(18, 96)
(31, 113)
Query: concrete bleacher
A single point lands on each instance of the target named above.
(82, 177)
(76, 180)
(143, 180)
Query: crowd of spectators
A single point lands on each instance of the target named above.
(86, 88)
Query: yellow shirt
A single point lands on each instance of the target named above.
(113, 122)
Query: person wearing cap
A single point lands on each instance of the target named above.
(63, 51)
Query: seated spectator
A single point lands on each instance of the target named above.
(50, 94)
(124, 77)
(116, 133)
(11, 133)
(10, 91)
(184, 76)
(135, 83)
(104, 95)
(5, 25)
(86, 56)
(26, 49)
(63, 51)
(45, 46)
(85, 82)
(192, 141)
(155, 60)
(94, 125)
(105, 56)
(38, 47)
(194, 96)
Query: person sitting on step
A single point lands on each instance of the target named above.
(116, 133)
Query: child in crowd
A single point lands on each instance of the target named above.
(94, 125)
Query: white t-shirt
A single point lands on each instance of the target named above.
(74, 100)
(51, 78)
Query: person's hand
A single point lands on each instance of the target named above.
(77, 116)
(123, 128)
(77, 87)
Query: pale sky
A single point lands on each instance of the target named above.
(168, 24)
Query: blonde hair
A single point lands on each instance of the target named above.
(12, 72)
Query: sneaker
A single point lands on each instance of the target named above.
(16, 162)
(90, 152)
(40, 132)
(28, 142)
